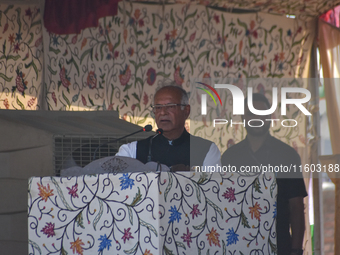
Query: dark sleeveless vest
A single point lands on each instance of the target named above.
(187, 149)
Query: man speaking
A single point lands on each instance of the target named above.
(175, 148)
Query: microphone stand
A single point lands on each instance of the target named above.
(158, 132)
(147, 128)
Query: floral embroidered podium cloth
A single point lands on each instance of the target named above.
(153, 213)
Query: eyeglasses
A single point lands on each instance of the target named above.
(166, 107)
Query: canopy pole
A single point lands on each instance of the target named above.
(314, 149)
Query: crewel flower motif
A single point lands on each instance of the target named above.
(255, 211)
(20, 83)
(229, 194)
(213, 237)
(76, 246)
(179, 76)
(64, 79)
(275, 212)
(126, 182)
(151, 76)
(49, 229)
(195, 211)
(175, 214)
(187, 237)
(125, 75)
(73, 191)
(232, 237)
(92, 80)
(127, 235)
(105, 243)
(45, 192)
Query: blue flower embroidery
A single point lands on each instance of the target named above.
(126, 182)
(274, 216)
(105, 243)
(289, 32)
(280, 67)
(175, 215)
(232, 237)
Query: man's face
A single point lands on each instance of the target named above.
(171, 121)
(257, 131)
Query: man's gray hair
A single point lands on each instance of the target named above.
(173, 85)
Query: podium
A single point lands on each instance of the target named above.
(153, 213)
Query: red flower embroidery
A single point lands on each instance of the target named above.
(20, 83)
(49, 229)
(54, 98)
(45, 192)
(145, 99)
(125, 75)
(92, 80)
(64, 79)
(74, 39)
(231, 141)
(16, 48)
(229, 194)
(151, 76)
(6, 104)
(195, 211)
(137, 13)
(127, 235)
(192, 37)
(178, 76)
(31, 102)
(38, 42)
(187, 237)
(83, 99)
(73, 191)
(11, 38)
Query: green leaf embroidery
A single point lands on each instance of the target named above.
(180, 244)
(99, 215)
(132, 250)
(137, 198)
(35, 246)
(66, 99)
(244, 220)
(216, 208)
(201, 226)
(130, 215)
(167, 251)
(61, 195)
(168, 188)
(257, 185)
(80, 221)
(3, 76)
(20, 104)
(148, 226)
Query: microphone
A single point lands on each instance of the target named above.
(158, 132)
(147, 128)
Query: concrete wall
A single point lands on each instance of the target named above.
(26, 150)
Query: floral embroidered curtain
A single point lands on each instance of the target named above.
(150, 214)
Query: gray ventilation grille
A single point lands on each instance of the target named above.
(75, 150)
